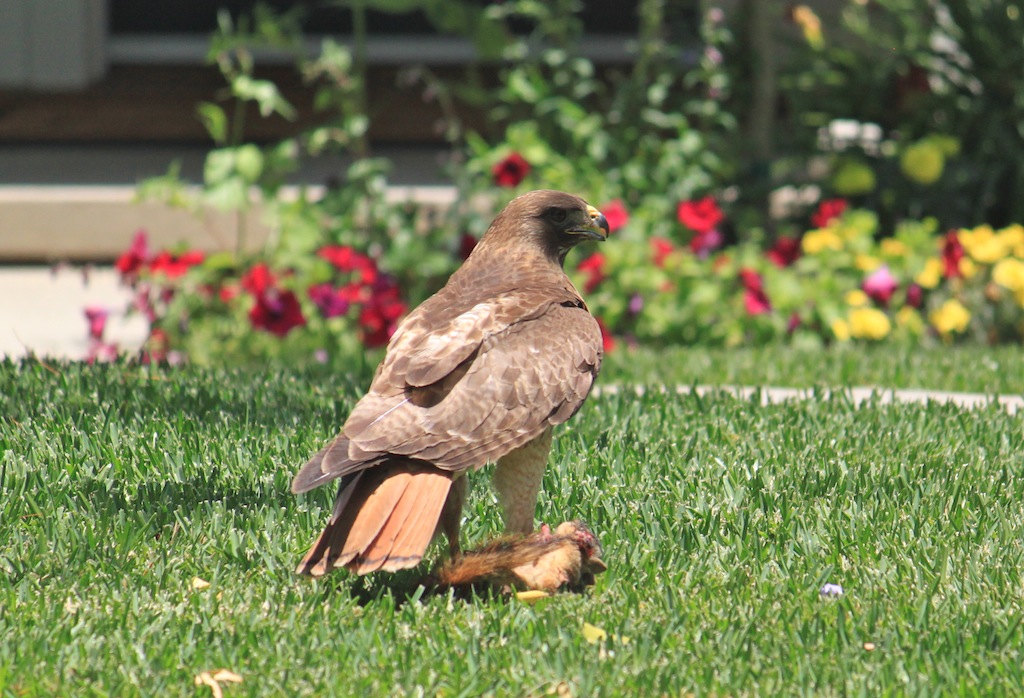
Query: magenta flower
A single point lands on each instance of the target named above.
(330, 301)
(702, 244)
(96, 316)
(755, 300)
(880, 285)
(915, 296)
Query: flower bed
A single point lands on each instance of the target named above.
(839, 282)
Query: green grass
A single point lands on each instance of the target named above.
(721, 519)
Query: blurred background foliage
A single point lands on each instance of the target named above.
(908, 109)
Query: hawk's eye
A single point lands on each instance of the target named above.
(557, 215)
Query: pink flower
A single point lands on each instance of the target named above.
(828, 211)
(755, 300)
(880, 285)
(102, 351)
(135, 257)
(511, 171)
(700, 215)
(277, 312)
(616, 214)
(97, 318)
(593, 267)
(952, 253)
(702, 244)
(784, 252)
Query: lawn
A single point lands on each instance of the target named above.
(721, 520)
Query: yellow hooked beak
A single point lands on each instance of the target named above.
(596, 227)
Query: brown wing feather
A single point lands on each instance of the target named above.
(533, 374)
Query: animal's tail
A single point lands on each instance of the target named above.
(383, 519)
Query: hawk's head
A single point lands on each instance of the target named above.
(554, 220)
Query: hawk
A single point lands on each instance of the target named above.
(480, 372)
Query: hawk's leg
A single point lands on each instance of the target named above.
(517, 480)
(451, 514)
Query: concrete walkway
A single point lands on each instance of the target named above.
(43, 311)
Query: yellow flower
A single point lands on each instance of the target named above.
(819, 240)
(841, 330)
(894, 248)
(950, 317)
(931, 275)
(857, 298)
(923, 162)
(866, 262)
(968, 268)
(909, 319)
(1009, 273)
(869, 323)
(983, 245)
(1013, 239)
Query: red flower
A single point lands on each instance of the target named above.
(173, 266)
(755, 300)
(133, 259)
(332, 302)
(702, 243)
(511, 171)
(662, 249)
(277, 312)
(381, 312)
(784, 252)
(616, 214)
(346, 259)
(952, 253)
(701, 215)
(880, 285)
(607, 338)
(227, 293)
(258, 279)
(593, 267)
(97, 319)
(467, 243)
(828, 211)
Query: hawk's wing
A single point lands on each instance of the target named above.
(468, 390)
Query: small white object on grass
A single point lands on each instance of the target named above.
(831, 590)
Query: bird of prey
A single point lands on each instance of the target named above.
(480, 372)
